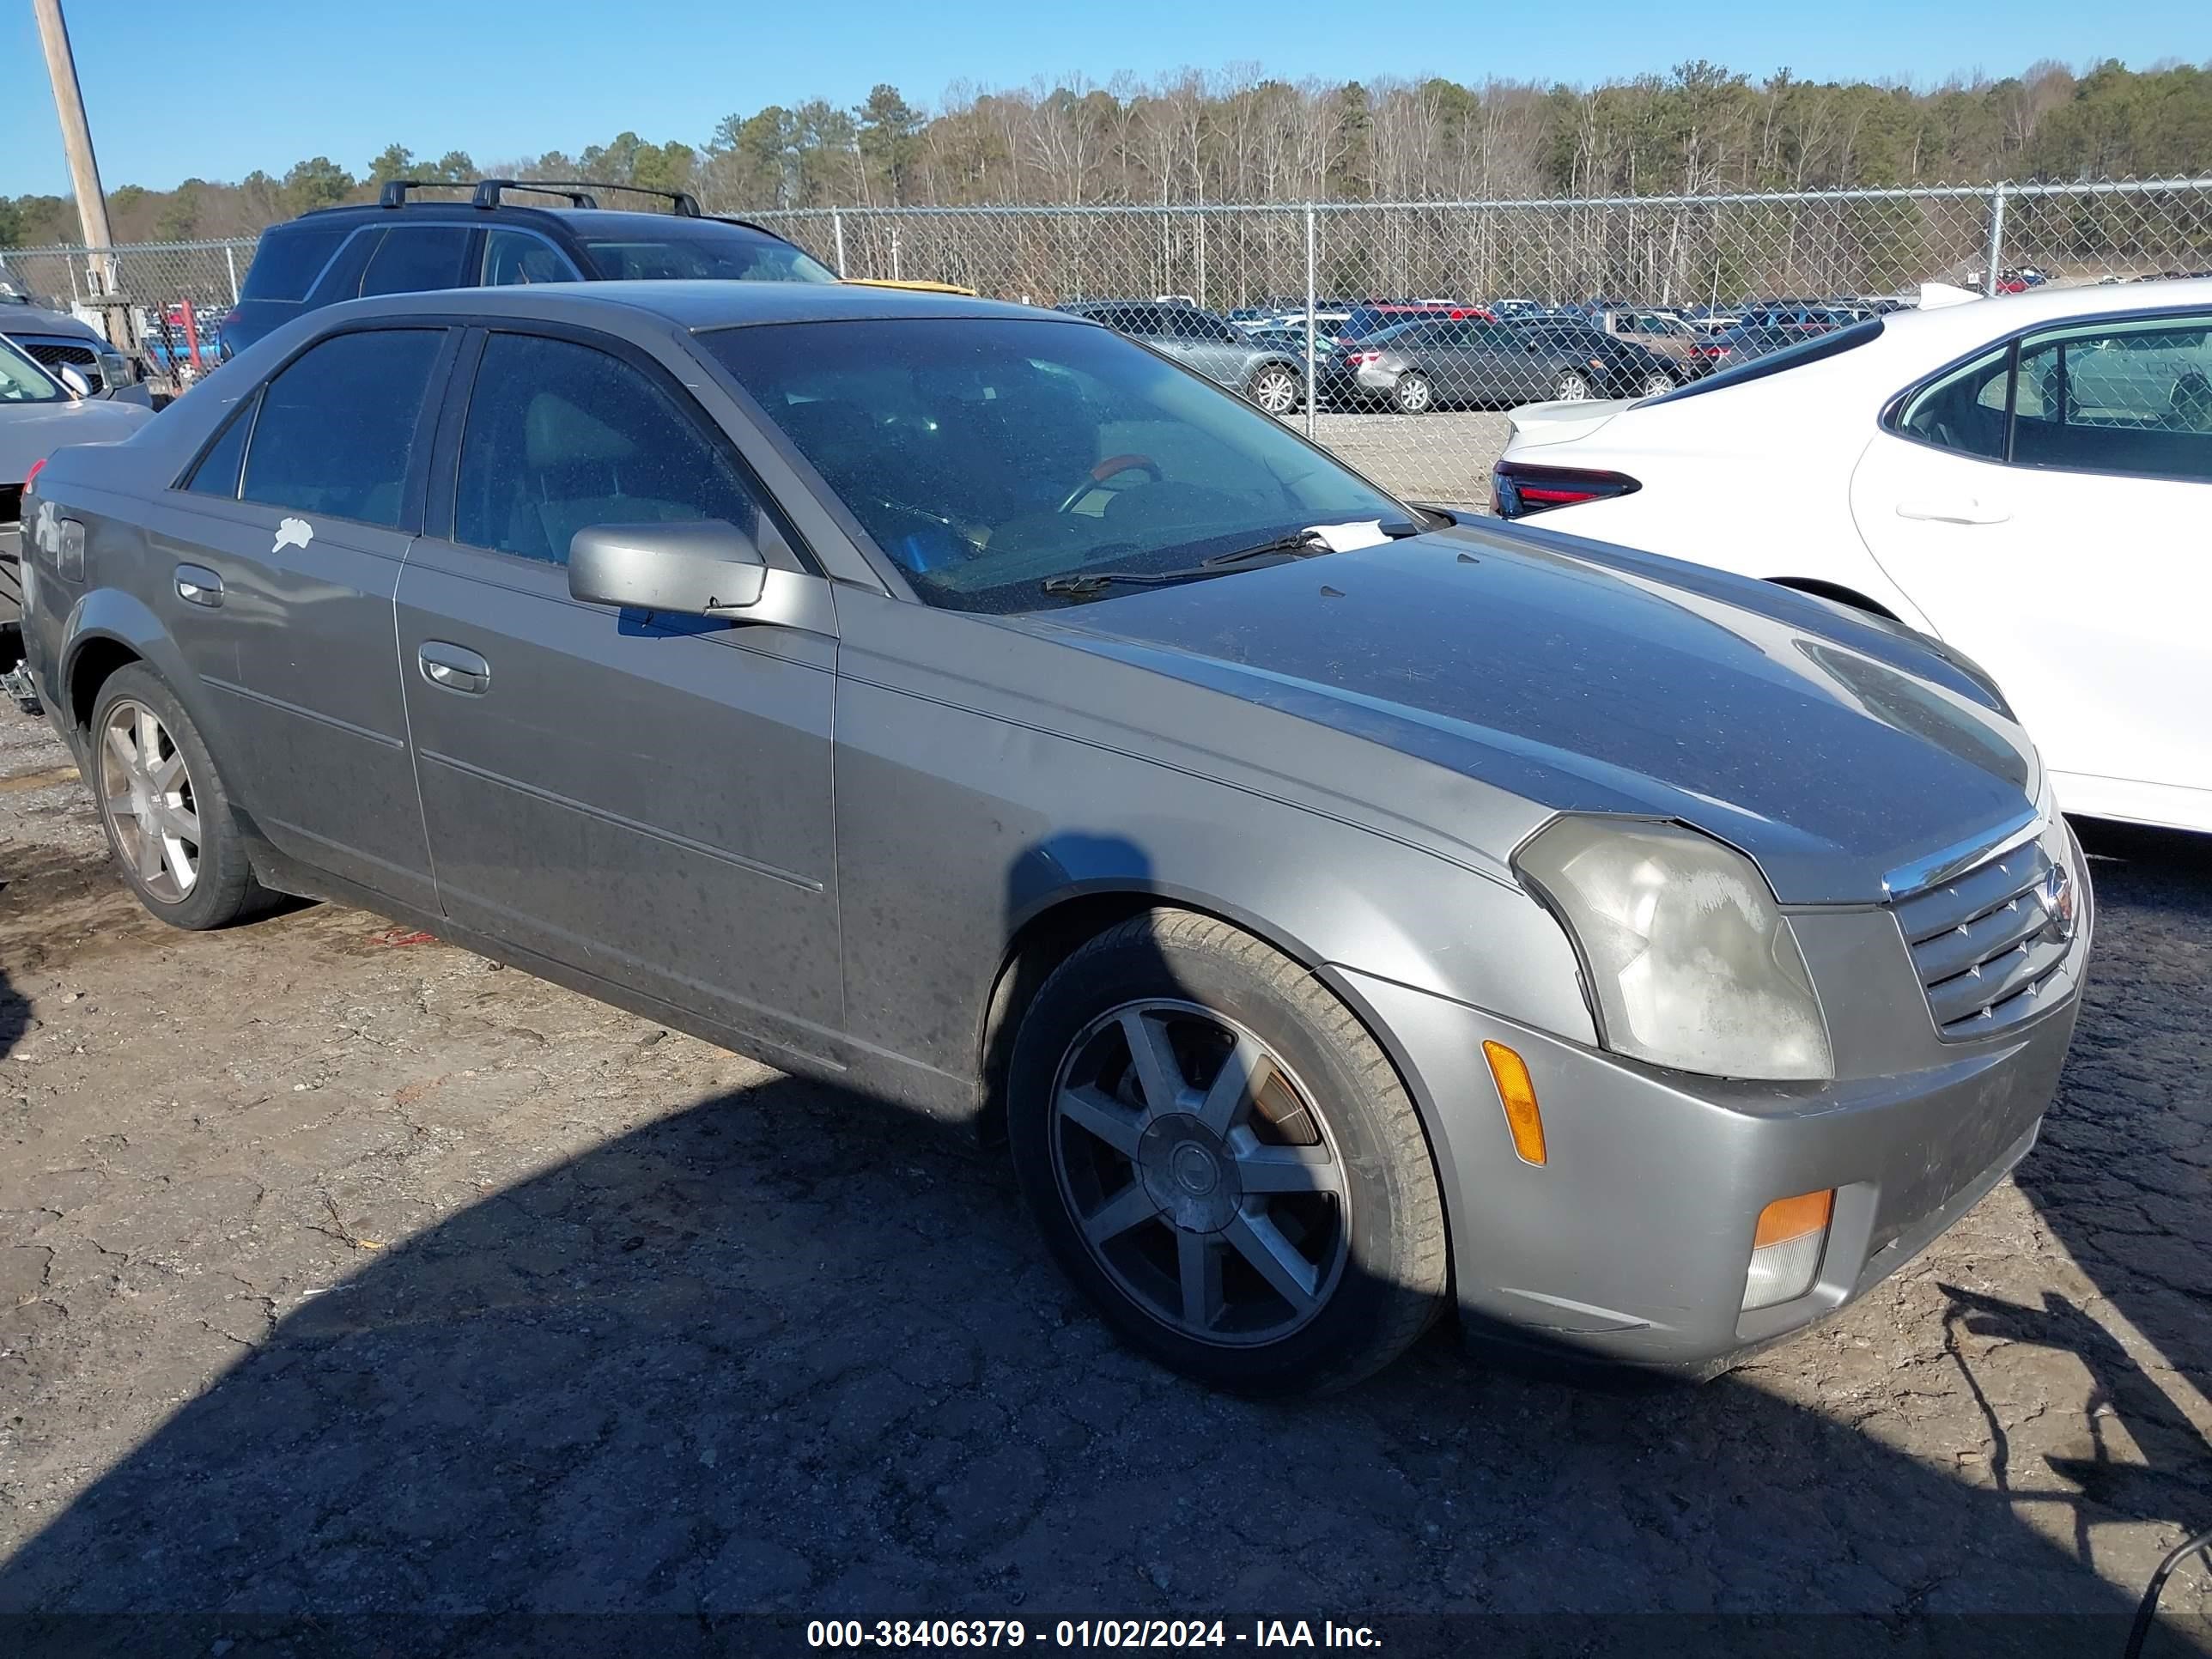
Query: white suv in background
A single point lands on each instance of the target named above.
(2029, 478)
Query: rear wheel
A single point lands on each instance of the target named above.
(1220, 1156)
(1656, 383)
(1572, 388)
(1275, 389)
(164, 806)
(1414, 395)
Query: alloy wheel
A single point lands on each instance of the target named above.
(1276, 391)
(1657, 385)
(1200, 1173)
(146, 792)
(1572, 389)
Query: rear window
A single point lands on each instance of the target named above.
(717, 252)
(1811, 350)
(288, 261)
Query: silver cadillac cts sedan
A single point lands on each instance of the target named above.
(1344, 908)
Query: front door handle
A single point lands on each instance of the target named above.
(1953, 509)
(197, 585)
(454, 667)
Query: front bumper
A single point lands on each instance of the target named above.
(1632, 1243)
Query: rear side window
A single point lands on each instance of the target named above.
(1964, 411)
(1795, 356)
(288, 260)
(337, 426)
(2131, 397)
(561, 436)
(217, 472)
(415, 261)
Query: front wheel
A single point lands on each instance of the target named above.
(1222, 1158)
(164, 806)
(1274, 389)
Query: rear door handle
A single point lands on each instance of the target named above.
(1955, 509)
(454, 667)
(197, 585)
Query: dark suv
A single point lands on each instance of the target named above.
(399, 246)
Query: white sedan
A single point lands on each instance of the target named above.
(2029, 478)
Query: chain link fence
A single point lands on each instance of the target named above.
(1427, 318)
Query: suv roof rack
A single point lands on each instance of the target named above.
(578, 193)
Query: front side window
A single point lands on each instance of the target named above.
(2131, 397)
(417, 260)
(1964, 411)
(983, 456)
(22, 381)
(338, 426)
(561, 436)
(704, 248)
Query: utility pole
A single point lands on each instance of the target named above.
(84, 170)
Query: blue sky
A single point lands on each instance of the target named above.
(217, 90)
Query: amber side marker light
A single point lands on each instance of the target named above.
(1786, 1247)
(1510, 1073)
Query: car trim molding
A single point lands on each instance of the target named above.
(789, 878)
(314, 715)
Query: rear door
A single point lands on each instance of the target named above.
(2047, 513)
(646, 798)
(283, 550)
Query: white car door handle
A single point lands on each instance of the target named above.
(1953, 509)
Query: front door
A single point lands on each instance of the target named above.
(2049, 518)
(645, 798)
(286, 548)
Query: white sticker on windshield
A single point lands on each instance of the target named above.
(293, 532)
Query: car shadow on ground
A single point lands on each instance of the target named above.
(789, 1350)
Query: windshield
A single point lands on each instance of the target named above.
(1809, 348)
(22, 381)
(983, 455)
(726, 253)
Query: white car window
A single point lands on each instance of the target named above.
(2131, 397)
(1966, 410)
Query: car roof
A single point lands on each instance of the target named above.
(694, 305)
(1969, 321)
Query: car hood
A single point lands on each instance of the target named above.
(1585, 678)
(30, 431)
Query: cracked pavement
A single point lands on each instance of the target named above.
(342, 1273)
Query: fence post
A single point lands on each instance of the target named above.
(837, 231)
(230, 262)
(1310, 319)
(1995, 253)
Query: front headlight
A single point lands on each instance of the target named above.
(1692, 962)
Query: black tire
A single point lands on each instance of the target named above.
(224, 888)
(1413, 394)
(1657, 384)
(1394, 1266)
(1572, 387)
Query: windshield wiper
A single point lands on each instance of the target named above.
(1299, 544)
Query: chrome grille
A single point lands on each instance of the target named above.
(1984, 944)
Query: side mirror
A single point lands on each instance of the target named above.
(706, 568)
(77, 385)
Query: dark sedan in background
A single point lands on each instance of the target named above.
(1465, 363)
(1269, 369)
(1341, 906)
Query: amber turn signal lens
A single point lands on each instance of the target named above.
(1511, 1073)
(1794, 1218)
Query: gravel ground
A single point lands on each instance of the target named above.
(343, 1275)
